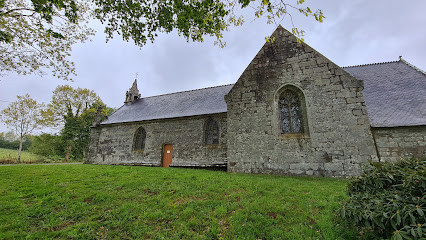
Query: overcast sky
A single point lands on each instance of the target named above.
(354, 32)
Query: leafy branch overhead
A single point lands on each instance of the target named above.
(36, 35)
(142, 20)
(39, 34)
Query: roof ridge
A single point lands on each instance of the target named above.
(370, 64)
(412, 66)
(187, 91)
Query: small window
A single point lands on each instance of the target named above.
(212, 132)
(291, 119)
(139, 140)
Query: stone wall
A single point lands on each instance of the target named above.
(113, 144)
(400, 142)
(337, 139)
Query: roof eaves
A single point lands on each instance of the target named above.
(397, 126)
(112, 113)
(154, 119)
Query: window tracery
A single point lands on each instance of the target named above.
(291, 119)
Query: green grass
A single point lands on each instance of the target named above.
(8, 156)
(124, 202)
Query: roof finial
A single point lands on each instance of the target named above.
(136, 77)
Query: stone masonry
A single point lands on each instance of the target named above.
(113, 144)
(338, 139)
(400, 142)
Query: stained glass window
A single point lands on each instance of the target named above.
(212, 132)
(290, 112)
(139, 141)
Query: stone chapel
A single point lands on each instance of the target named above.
(291, 112)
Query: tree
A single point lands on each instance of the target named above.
(142, 20)
(67, 108)
(47, 145)
(69, 102)
(10, 141)
(76, 131)
(23, 117)
(39, 34)
(9, 136)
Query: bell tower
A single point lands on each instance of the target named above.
(133, 93)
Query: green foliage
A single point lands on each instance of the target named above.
(389, 199)
(23, 116)
(70, 102)
(39, 34)
(143, 20)
(4, 143)
(75, 135)
(124, 202)
(76, 132)
(75, 110)
(48, 8)
(47, 145)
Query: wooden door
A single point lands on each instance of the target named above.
(167, 155)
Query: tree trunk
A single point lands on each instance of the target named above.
(21, 139)
(67, 155)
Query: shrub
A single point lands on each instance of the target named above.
(389, 199)
(47, 145)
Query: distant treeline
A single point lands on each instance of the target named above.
(14, 144)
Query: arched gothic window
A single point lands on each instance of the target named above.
(139, 139)
(290, 107)
(211, 132)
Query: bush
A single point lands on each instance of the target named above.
(47, 145)
(389, 199)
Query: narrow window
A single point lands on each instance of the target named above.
(139, 140)
(211, 132)
(290, 112)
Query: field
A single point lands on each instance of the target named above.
(124, 202)
(11, 156)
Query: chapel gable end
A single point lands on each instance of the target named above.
(286, 60)
(295, 102)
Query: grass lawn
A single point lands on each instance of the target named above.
(124, 202)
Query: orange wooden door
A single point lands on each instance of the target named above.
(167, 155)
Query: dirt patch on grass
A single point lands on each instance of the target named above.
(149, 192)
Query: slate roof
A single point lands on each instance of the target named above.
(394, 92)
(180, 104)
